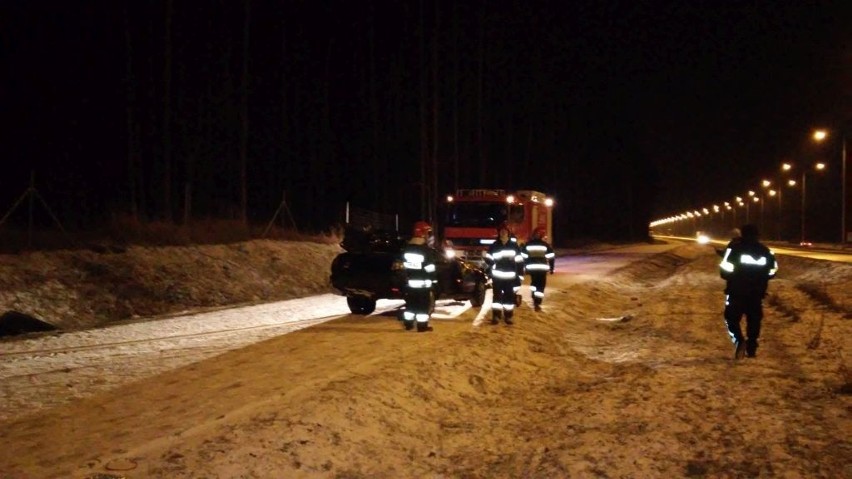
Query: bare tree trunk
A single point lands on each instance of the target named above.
(285, 110)
(244, 117)
(379, 161)
(323, 149)
(479, 99)
(455, 90)
(167, 115)
(131, 128)
(433, 197)
(527, 153)
(187, 203)
(424, 134)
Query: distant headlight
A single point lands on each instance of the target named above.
(703, 239)
(450, 253)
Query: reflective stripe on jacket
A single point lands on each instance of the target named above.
(504, 259)
(538, 255)
(747, 266)
(419, 263)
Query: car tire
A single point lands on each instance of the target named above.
(361, 304)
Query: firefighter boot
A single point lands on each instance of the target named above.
(508, 318)
(495, 316)
(423, 327)
(751, 348)
(739, 349)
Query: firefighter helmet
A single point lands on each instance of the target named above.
(421, 229)
(539, 232)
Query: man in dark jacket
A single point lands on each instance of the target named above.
(747, 266)
(504, 258)
(539, 259)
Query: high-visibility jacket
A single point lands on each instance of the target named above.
(419, 262)
(504, 259)
(747, 266)
(538, 256)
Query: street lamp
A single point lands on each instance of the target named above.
(733, 216)
(762, 200)
(768, 191)
(818, 167)
(741, 204)
(748, 214)
(773, 193)
(819, 136)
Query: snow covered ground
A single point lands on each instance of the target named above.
(51, 369)
(626, 373)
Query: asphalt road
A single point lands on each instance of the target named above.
(825, 254)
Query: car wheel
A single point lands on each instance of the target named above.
(478, 294)
(361, 304)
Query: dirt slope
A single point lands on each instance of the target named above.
(84, 288)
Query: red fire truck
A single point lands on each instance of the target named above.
(473, 216)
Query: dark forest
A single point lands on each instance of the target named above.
(166, 110)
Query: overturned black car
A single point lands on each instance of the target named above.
(372, 269)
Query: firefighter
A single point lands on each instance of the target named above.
(503, 258)
(539, 258)
(419, 260)
(747, 266)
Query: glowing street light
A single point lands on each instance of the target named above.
(817, 167)
(819, 136)
(766, 184)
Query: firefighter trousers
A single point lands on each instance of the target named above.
(504, 297)
(752, 307)
(418, 305)
(538, 281)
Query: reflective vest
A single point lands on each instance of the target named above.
(747, 266)
(504, 259)
(419, 263)
(538, 256)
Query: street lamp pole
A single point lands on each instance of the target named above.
(819, 136)
(843, 199)
(804, 176)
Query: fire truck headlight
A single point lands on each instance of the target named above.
(510, 199)
(548, 202)
(449, 198)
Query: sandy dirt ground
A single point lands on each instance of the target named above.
(624, 374)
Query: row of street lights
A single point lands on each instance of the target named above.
(772, 189)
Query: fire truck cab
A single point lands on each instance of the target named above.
(473, 215)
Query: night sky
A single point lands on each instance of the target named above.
(623, 111)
